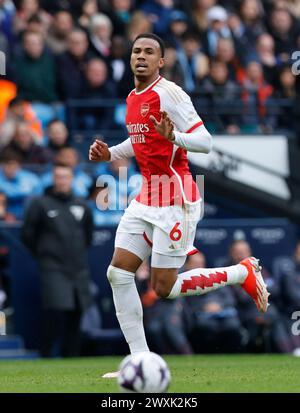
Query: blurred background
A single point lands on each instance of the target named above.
(66, 80)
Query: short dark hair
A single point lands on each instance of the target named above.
(35, 18)
(190, 35)
(60, 164)
(154, 37)
(55, 120)
(10, 155)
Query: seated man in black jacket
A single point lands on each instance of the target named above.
(58, 230)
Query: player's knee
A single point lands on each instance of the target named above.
(117, 275)
(110, 274)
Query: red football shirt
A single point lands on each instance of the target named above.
(167, 179)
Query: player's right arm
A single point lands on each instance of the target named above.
(100, 152)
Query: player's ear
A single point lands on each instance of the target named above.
(161, 62)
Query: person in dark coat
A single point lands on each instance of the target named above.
(58, 231)
(71, 65)
(34, 71)
(97, 86)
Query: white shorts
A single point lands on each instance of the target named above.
(168, 232)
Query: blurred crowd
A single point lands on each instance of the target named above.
(233, 57)
(218, 51)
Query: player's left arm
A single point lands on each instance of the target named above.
(181, 124)
(199, 140)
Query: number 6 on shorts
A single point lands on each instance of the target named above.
(175, 233)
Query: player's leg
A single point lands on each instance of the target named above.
(169, 254)
(131, 249)
(127, 302)
(169, 284)
(120, 274)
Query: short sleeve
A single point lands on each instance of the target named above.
(179, 106)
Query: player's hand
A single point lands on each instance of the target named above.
(165, 127)
(99, 152)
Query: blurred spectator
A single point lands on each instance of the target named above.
(23, 143)
(198, 12)
(58, 135)
(100, 31)
(19, 111)
(251, 13)
(178, 25)
(158, 12)
(34, 72)
(285, 89)
(81, 182)
(222, 93)
(293, 6)
(37, 25)
(226, 53)
(266, 332)
(255, 92)
(98, 86)
(193, 62)
(282, 29)
(164, 322)
(217, 18)
(58, 231)
(73, 6)
(61, 27)
(120, 15)
(25, 10)
(286, 86)
(138, 24)
(71, 65)
(172, 69)
(5, 217)
(265, 49)
(17, 183)
(88, 10)
(119, 62)
(214, 320)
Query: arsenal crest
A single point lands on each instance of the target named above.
(145, 107)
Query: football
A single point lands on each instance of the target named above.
(144, 372)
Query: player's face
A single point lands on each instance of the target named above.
(146, 59)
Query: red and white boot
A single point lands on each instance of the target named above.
(254, 284)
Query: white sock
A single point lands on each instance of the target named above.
(128, 307)
(203, 280)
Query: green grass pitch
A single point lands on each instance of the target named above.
(190, 374)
